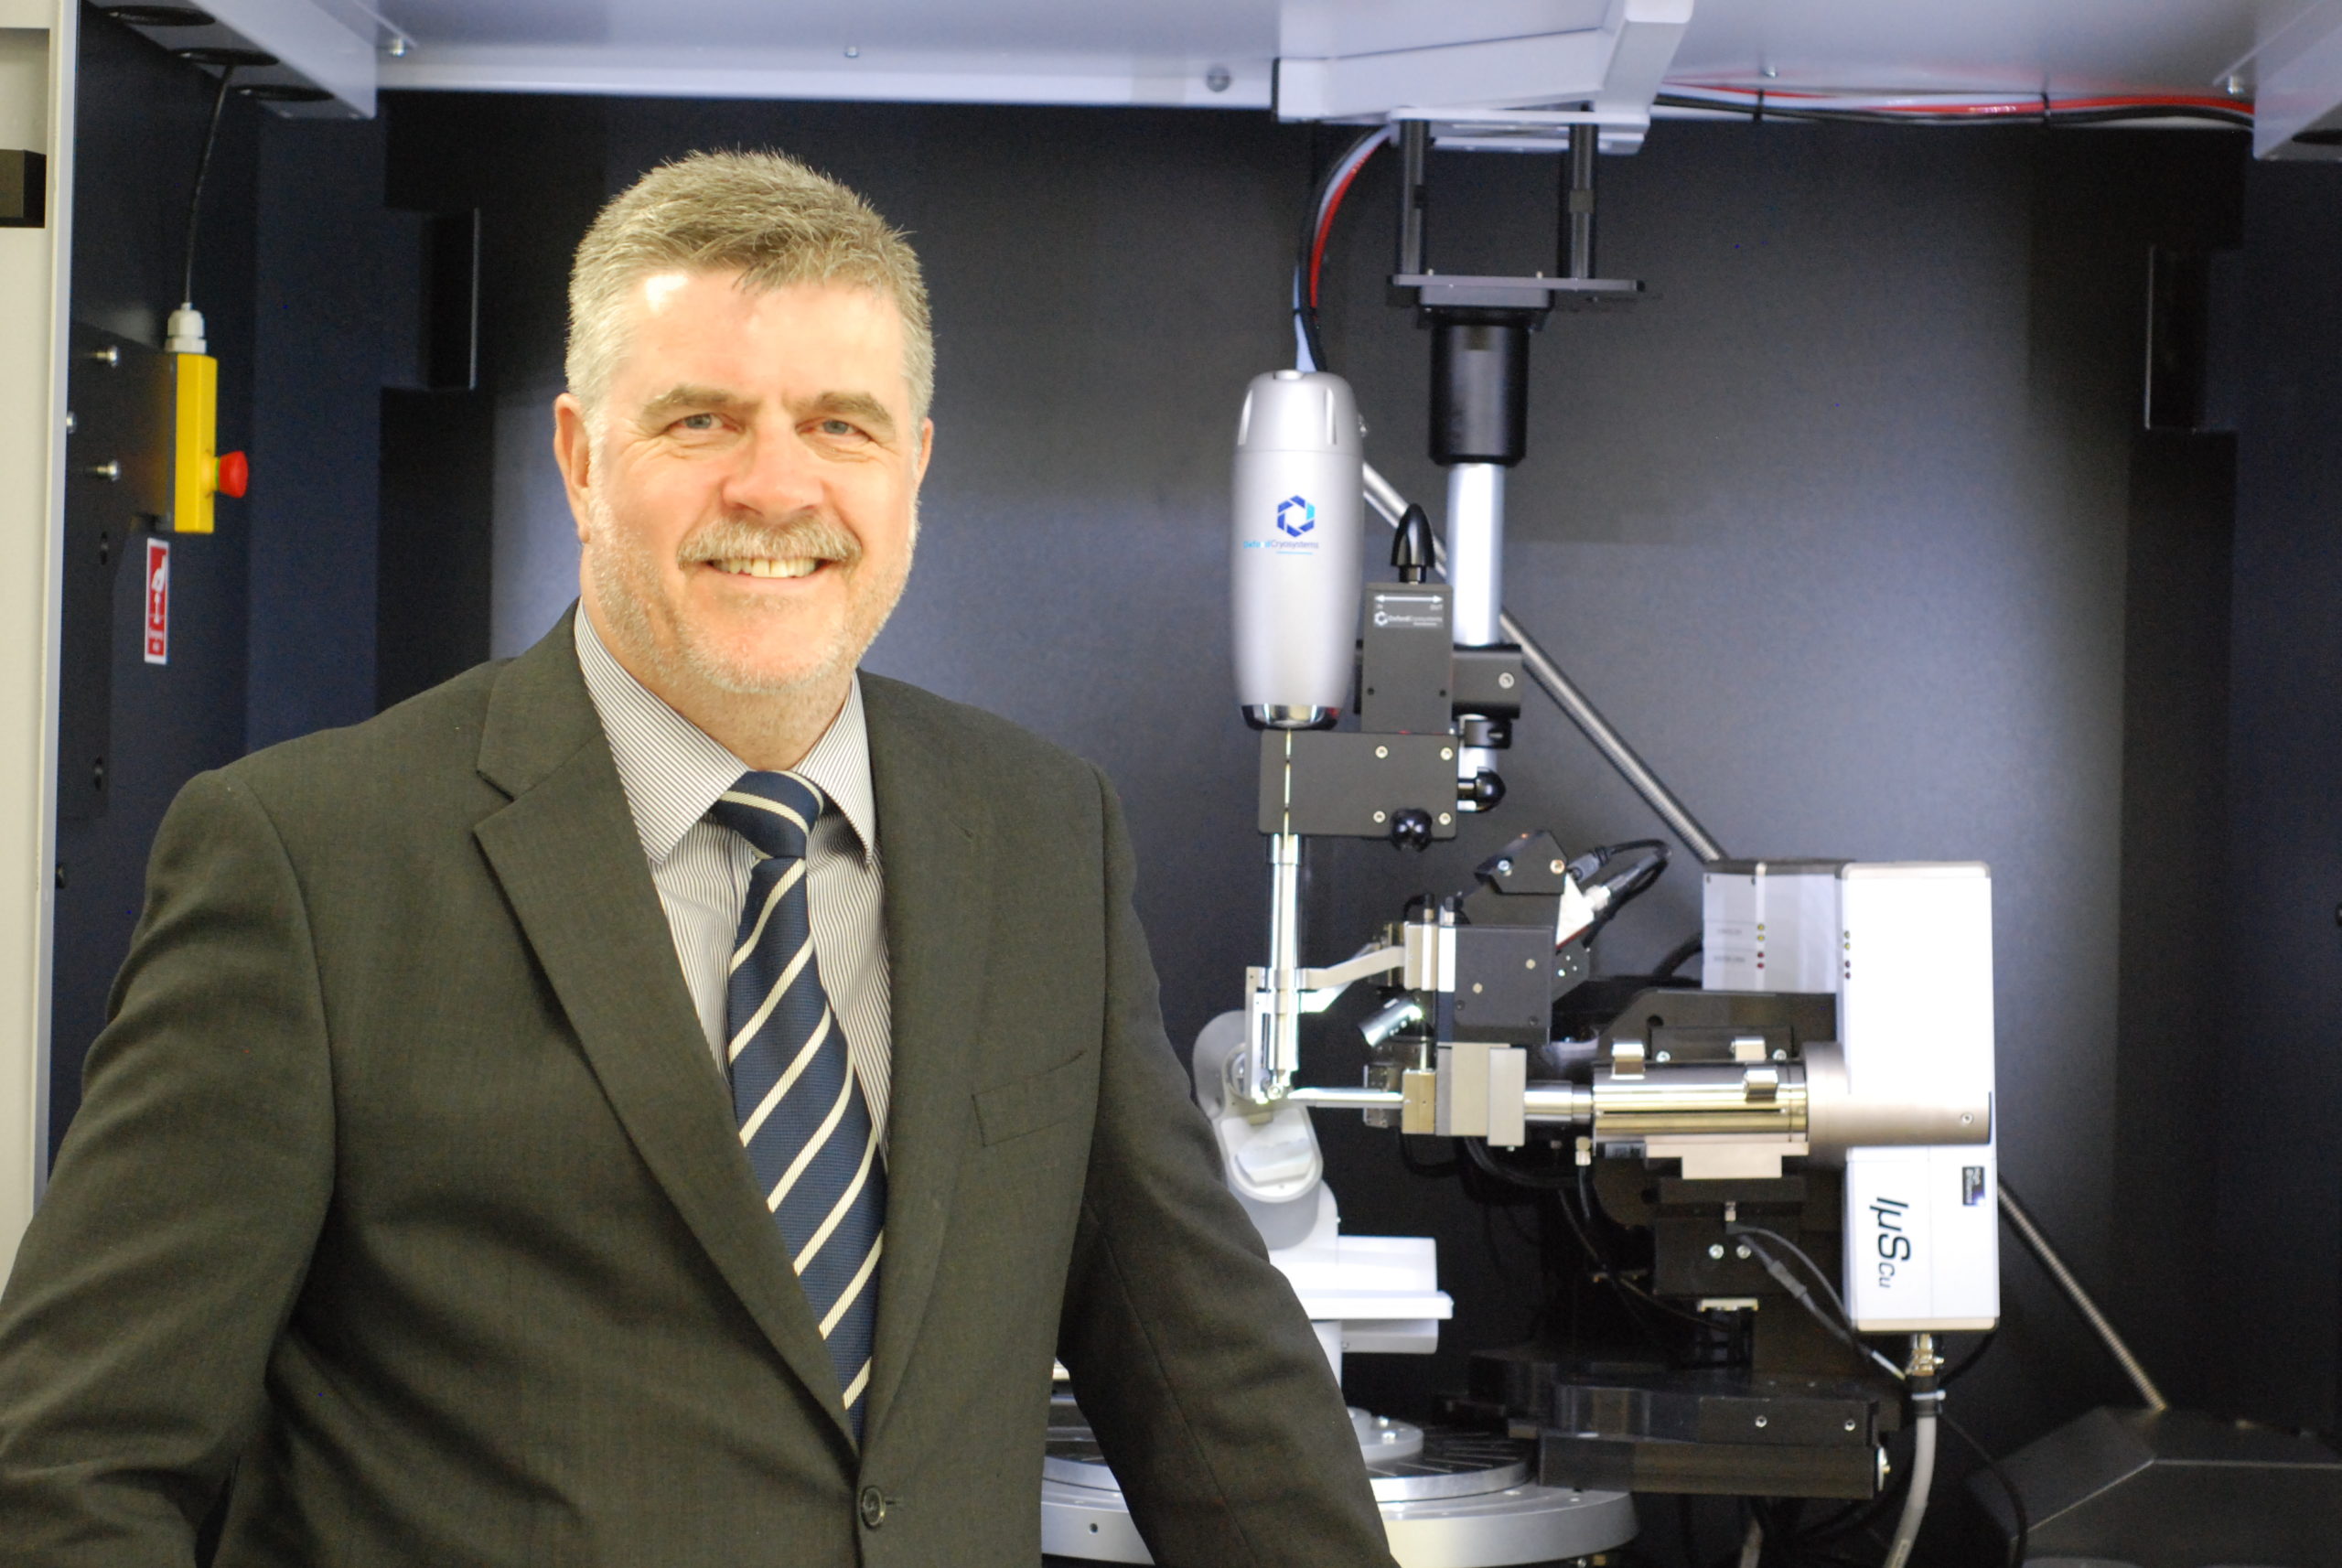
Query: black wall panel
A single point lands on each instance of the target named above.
(2279, 1108)
(142, 116)
(273, 615)
(326, 309)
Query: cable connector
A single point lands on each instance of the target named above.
(184, 334)
(1926, 1365)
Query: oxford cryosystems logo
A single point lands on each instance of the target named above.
(1295, 517)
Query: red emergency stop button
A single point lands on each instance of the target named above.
(235, 473)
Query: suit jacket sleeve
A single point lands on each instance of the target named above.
(1190, 1353)
(137, 1323)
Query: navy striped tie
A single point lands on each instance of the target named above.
(807, 1130)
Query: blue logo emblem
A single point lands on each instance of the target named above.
(1295, 516)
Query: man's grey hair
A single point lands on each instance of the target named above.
(761, 214)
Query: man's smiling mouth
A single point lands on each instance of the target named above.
(763, 566)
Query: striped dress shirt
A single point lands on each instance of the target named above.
(674, 772)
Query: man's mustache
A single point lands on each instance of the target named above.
(745, 538)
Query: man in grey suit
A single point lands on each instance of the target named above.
(665, 1099)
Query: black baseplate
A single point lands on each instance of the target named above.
(1643, 1427)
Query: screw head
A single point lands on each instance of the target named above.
(1561, 865)
(1381, 751)
(1381, 816)
(1448, 754)
(1764, 1421)
(1217, 78)
(1850, 1424)
(1665, 1057)
(1715, 1251)
(1504, 681)
(853, 51)
(1741, 1253)
(1445, 818)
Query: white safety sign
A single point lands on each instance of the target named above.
(159, 601)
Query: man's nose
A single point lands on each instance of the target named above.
(776, 474)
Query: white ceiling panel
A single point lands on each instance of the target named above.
(2024, 46)
(925, 27)
(1222, 53)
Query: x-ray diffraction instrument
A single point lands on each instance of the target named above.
(1754, 1174)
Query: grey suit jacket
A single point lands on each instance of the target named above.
(404, 1186)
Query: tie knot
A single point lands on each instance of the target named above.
(774, 811)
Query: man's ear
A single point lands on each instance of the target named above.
(573, 450)
(926, 450)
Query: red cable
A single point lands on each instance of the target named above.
(1326, 223)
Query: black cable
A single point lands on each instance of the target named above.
(2019, 1542)
(203, 167)
(1967, 1363)
(1829, 1289)
(1862, 1515)
(1771, 109)
(1481, 1154)
(1682, 954)
(1600, 855)
(1638, 878)
(1837, 1320)
(1609, 1273)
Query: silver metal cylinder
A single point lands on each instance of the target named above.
(1558, 1105)
(1809, 1098)
(1475, 572)
(1475, 550)
(1272, 1076)
(1839, 1117)
(1335, 1098)
(1670, 1103)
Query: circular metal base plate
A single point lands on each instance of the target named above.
(1461, 1499)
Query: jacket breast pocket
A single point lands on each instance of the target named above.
(1028, 1104)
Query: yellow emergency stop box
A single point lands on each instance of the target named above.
(195, 464)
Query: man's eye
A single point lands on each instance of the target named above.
(696, 422)
(839, 428)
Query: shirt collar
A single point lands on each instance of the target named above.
(672, 771)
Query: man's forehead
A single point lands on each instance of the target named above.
(726, 357)
(659, 293)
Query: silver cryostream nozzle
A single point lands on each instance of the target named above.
(1294, 551)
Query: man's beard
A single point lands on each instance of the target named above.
(627, 583)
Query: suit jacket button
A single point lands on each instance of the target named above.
(874, 1507)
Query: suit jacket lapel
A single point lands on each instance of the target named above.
(935, 849)
(570, 861)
